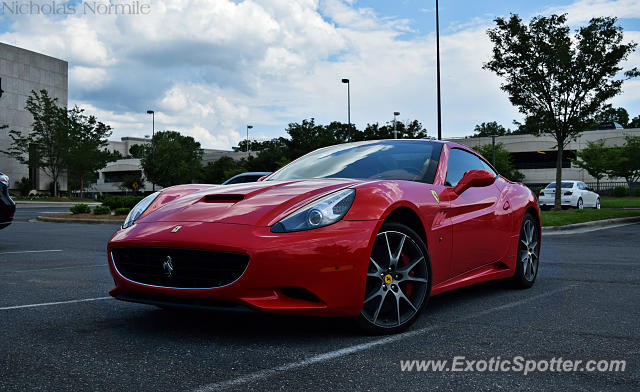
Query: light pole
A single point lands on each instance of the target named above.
(248, 128)
(493, 149)
(348, 107)
(395, 129)
(438, 71)
(153, 146)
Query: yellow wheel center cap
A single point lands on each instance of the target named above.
(388, 278)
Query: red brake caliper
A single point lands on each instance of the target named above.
(408, 286)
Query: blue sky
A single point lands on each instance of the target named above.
(210, 67)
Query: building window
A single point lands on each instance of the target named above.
(119, 176)
(541, 159)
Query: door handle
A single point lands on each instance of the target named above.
(506, 205)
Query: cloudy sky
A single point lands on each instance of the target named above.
(209, 68)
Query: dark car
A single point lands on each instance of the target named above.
(7, 206)
(246, 177)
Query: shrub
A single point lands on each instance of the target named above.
(80, 209)
(114, 202)
(620, 191)
(122, 211)
(101, 210)
(636, 192)
(23, 186)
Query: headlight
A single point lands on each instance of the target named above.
(4, 179)
(541, 193)
(323, 212)
(139, 209)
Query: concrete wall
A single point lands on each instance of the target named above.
(21, 72)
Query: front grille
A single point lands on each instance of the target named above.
(181, 268)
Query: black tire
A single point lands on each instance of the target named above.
(526, 274)
(580, 204)
(399, 288)
(598, 205)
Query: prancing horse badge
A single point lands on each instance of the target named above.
(435, 196)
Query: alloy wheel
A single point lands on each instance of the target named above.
(529, 250)
(598, 204)
(580, 204)
(397, 280)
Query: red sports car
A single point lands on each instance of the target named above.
(368, 229)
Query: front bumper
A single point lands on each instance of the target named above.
(330, 263)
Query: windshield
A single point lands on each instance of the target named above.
(411, 160)
(564, 184)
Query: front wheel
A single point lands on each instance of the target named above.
(528, 253)
(398, 280)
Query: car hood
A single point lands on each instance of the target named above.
(259, 203)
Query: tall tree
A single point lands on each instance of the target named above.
(562, 80)
(490, 128)
(47, 145)
(595, 160)
(610, 114)
(624, 161)
(137, 151)
(504, 162)
(220, 170)
(87, 146)
(172, 159)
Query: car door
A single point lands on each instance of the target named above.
(587, 196)
(476, 238)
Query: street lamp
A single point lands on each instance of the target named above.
(248, 128)
(395, 129)
(348, 107)
(438, 72)
(153, 146)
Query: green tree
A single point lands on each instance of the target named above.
(624, 161)
(87, 151)
(490, 128)
(132, 182)
(137, 151)
(609, 113)
(504, 162)
(46, 146)
(409, 130)
(172, 159)
(595, 160)
(635, 122)
(559, 78)
(220, 170)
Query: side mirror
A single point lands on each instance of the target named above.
(474, 179)
(262, 178)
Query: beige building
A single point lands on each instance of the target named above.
(535, 156)
(23, 71)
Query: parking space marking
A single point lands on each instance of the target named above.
(55, 303)
(31, 251)
(59, 268)
(222, 385)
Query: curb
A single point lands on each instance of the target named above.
(79, 220)
(599, 223)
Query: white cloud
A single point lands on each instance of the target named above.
(209, 68)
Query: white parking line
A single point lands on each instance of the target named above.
(222, 385)
(31, 251)
(59, 268)
(54, 303)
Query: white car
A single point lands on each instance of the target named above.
(574, 194)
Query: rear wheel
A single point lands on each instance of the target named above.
(528, 253)
(597, 207)
(398, 280)
(580, 204)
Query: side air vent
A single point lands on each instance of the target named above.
(223, 198)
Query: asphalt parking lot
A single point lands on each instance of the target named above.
(59, 331)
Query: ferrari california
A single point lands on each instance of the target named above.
(368, 230)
